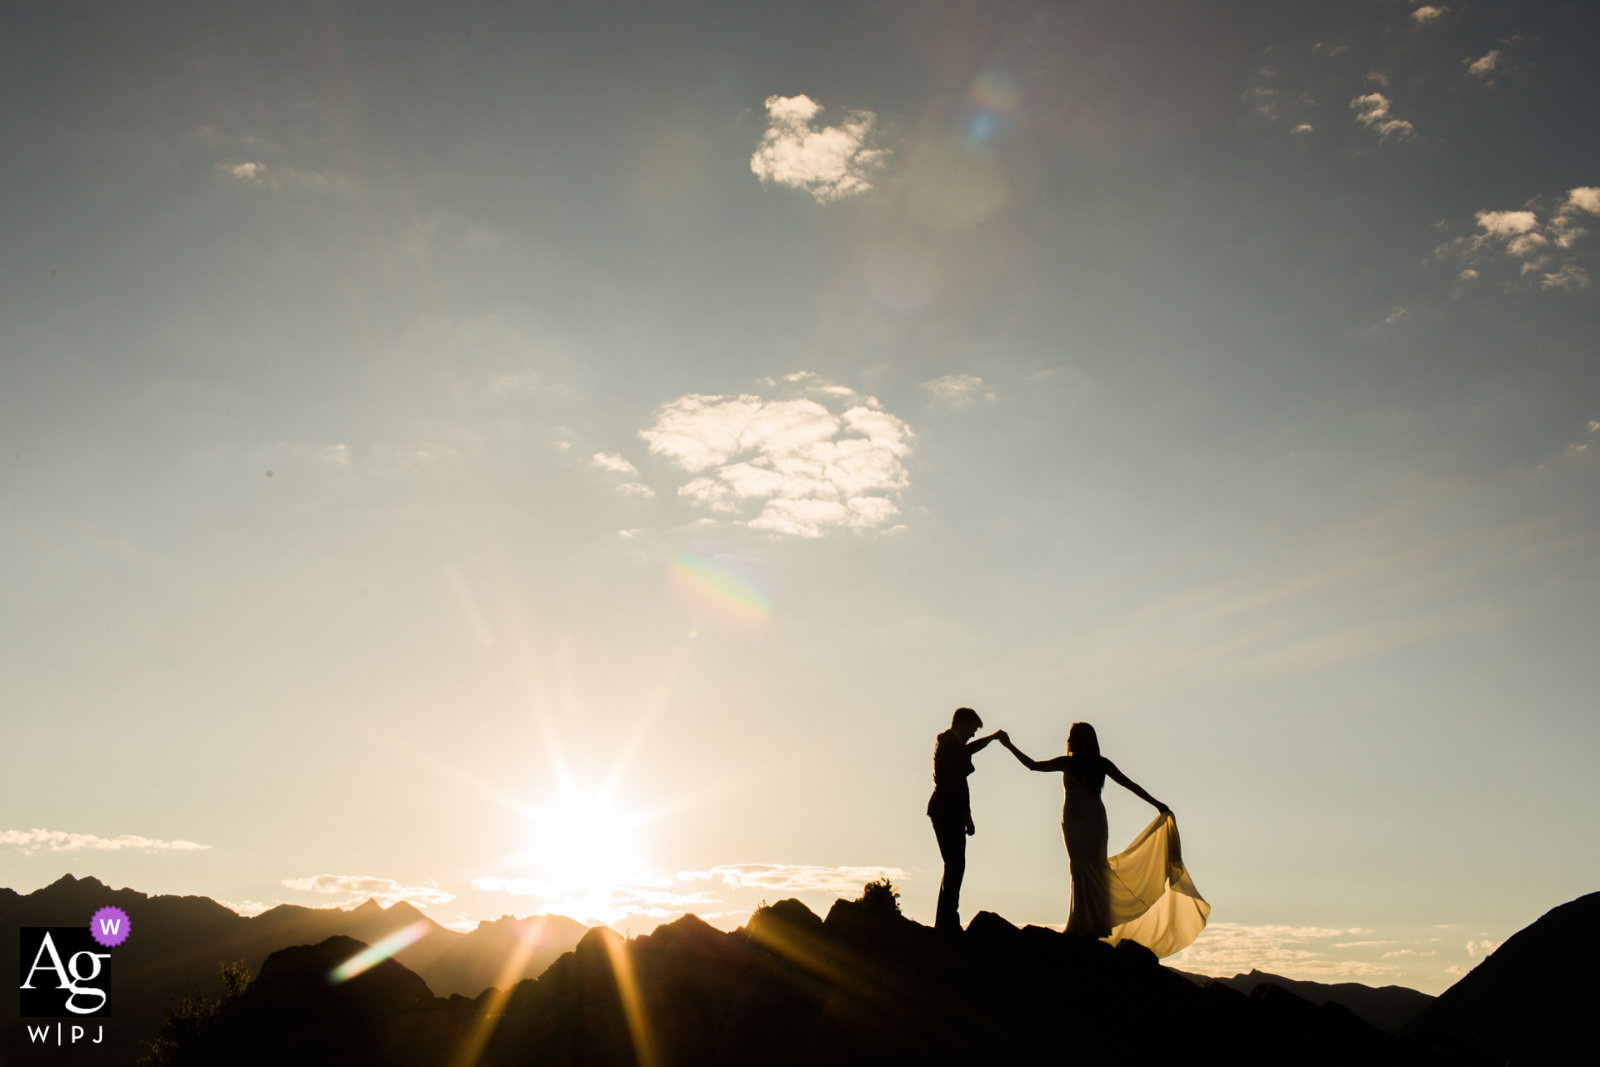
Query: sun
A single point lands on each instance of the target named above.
(585, 841)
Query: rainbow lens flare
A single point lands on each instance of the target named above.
(724, 587)
(373, 955)
(997, 92)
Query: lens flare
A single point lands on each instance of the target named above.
(997, 92)
(373, 955)
(732, 590)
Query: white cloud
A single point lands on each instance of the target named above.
(788, 878)
(1304, 127)
(830, 163)
(809, 468)
(1482, 948)
(1485, 65)
(1457, 971)
(1426, 14)
(30, 841)
(611, 461)
(1372, 111)
(384, 890)
(1229, 948)
(1519, 234)
(1507, 223)
(958, 390)
(607, 904)
(1586, 198)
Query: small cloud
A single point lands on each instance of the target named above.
(1378, 76)
(1568, 278)
(1586, 198)
(1426, 14)
(30, 841)
(1304, 127)
(384, 890)
(251, 174)
(638, 489)
(830, 163)
(1484, 65)
(1507, 223)
(614, 462)
(1373, 111)
(1457, 971)
(957, 390)
(1400, 952)
(1395, 316)
(587, 904)
(786, 878)
(1482, 948)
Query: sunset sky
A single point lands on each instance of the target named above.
(575, 457)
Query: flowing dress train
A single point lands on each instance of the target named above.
(1143, 893)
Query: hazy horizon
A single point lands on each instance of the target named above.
(575, 459)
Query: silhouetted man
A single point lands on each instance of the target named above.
(950, 808)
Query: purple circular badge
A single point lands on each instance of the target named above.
(110, 926)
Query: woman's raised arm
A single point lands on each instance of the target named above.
(1133, 787)
(1057, 764)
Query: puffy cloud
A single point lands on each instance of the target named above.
(830, 163)
(384, 890)
(1426, 14)
(1520, 234)
(1507, 223)
(1304, 127)
(30, 841)
(1586, 198)
(811, 469)
(1482, 948)
(788, 878)
(1485, 65)
(1373, 111)
(610, 461)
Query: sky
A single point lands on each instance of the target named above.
(575, 457)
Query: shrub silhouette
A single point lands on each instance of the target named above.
(880, 897)
(193, 1014)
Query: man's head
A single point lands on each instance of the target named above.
(965, 723)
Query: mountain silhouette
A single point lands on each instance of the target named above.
(1531, 1001)
(1388, 1007)
(177, 942)
(863, 986)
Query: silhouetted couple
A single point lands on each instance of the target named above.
(1144, 893)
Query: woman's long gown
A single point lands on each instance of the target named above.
(1143, 893)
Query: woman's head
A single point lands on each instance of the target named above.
(1082, 740)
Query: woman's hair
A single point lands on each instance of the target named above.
(1084, 762)
(963, 716)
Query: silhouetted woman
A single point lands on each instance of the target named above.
(1083, 823)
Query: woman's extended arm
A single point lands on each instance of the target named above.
(1057, 764)
(1133, 787)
